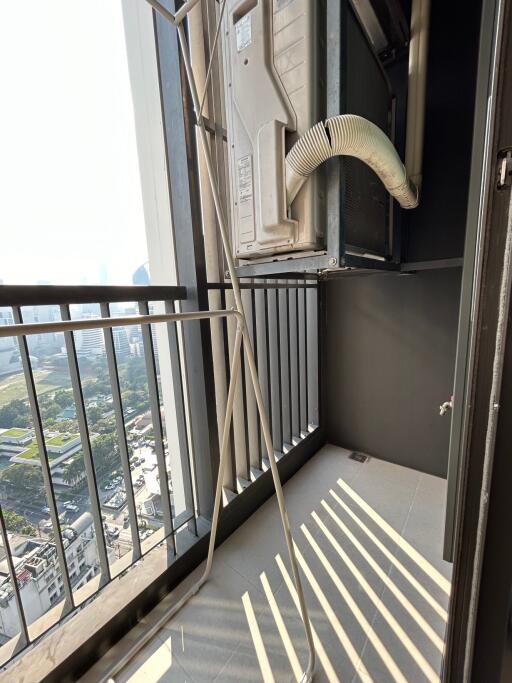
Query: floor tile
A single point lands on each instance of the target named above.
(209, 628)
(154, 663)
(373, 577)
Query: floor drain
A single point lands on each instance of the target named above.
(358, 457)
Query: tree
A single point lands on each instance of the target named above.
(49, 409)
(18, 523)
(106, 453)
(15, 414)
(24, 481)
(94, 413)
(106, 425)
(75, 470)
(69, 426)
(63, 397)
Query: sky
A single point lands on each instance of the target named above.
(70, 197)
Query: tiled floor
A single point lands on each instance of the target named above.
(369, 538)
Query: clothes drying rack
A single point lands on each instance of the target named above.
(241, 337)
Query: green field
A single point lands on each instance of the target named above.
(14, 386)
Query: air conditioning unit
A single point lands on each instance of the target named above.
(275, 63)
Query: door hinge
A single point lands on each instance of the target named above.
(504, 169)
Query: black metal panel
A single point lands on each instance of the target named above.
(436, 228)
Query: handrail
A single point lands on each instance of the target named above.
(23, 329)
(48, 295)
(263, 285)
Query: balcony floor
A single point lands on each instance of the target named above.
(369, 538)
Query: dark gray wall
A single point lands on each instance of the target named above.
(390, 348)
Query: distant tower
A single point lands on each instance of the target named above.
(121, 343)
(90, 343)
(141, 275)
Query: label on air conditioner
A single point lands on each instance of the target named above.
(244, 172)
(243, 32)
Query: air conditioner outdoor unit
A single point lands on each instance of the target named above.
(275, 60)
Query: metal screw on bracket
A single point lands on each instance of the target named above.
(333, 261)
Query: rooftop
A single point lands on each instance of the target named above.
(14, 432)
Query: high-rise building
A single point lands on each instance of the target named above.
(121, 342)
(10, 361)
(90, 343)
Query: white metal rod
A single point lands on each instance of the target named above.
(177, 18)
(235, 368)
(100, 323)
(242, 331)
(164, 618)
(308, 674)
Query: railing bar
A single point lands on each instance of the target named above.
(156, 418)
(243, 385)
(260, 285)
(229, 473)
(284, 346)
(14, 580)
(301, 317)
(294, 363)
(240, 459)
(251, 411)
(101, 323)
(121, 431)
(274, 371)
(43, 457)
(312, 322)
(255, 342)
(267, 362)
(55, 295)
(179, 407)
(306, 357)
(83, 428)
(262, 346)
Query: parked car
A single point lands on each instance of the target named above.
(45, 510)
(109, 486)
(71, 508)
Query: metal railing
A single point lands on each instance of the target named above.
(15, 299)
(282, 317)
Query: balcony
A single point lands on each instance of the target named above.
(113, 399)
(142, 512)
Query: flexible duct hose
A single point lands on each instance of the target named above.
(354, 136)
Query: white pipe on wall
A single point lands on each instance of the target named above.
(418, 53)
